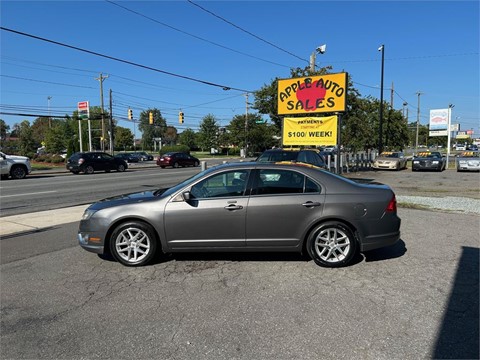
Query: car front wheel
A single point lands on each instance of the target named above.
(133, 243)
(331, 244)
(18, 172)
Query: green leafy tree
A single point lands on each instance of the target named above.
(260, 136)
(25, 138)
(188, 138)
(54, 139)
(149, 132)
(123, 138)
(4, 128)
(208, 133)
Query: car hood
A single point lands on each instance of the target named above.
(125, 199)
(385, 158)
(17, 157)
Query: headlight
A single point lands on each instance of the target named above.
(415, 161)
(435, 162)
(88, 214)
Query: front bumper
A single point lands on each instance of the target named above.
(426, 166)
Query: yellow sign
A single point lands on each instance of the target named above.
(313, 94)
(310, 130)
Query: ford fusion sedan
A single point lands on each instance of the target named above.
(427, 160)
(468, 161)
(89, 162)
(392, 160)
(246, 207)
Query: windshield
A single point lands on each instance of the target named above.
(164, 193)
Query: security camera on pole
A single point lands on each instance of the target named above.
(321, 50)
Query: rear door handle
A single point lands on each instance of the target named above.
(311, 204)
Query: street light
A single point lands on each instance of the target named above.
(321, 50)
(380, 130)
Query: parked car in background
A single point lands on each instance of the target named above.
(128, 157)
(392, 160)
(14, 166)
(472, 147)
(306, 156)
(468, 161)
(144, 156)
(176, 159)
(460, 147)
(250, 206)
(427, 160)
(89, 162)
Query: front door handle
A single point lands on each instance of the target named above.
(233, 207)
(310, 204)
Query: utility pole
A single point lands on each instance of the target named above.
(246, 124)
(111, 125)
(418, 120)
(49, 117)
(101, 79)
(380, 130)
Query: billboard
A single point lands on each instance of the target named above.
(83, 108)
(438, 122)
(312, 94)
(312, 131)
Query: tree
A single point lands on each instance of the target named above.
(149, 132)
(260, 136)
(170, 136)
(208, 133)
(188, 138)
(25, 138)
(55, 140)
(4, 128)
(123, 138)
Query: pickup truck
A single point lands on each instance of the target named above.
(14, 166)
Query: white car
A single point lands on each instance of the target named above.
(468, 161)
(14, 166)
(460, 147)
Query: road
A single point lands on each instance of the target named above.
(418, 299)
(50, 190)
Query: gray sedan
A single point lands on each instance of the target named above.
(246, 207)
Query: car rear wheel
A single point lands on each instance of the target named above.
(121, 168)
(133, 243)
(195, 164)
(175, 165)
(18, 172)
(331, 244)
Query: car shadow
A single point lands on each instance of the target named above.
(390, 252)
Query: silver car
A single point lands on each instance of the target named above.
(392, 160)
(468, 161)
(246, 207)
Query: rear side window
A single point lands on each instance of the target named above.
(277, 181)
(277, 156)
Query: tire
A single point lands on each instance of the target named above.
(133, 243)
(4, 177)
(18, 172)
(332, 244)
(175, 165)
(75, 172)
(196, 163)
(121, 168)
(163, 167)
(89, 170)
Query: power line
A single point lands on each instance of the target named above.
(224, 87)
(246, 31)
(192, 35)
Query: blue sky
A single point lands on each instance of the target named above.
(430, 46)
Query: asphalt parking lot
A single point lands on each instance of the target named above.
(417, 299)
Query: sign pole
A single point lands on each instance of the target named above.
(80, 134)
(448, 134)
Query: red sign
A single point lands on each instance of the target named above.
(83, 109)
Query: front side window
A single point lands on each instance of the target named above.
(226, 184)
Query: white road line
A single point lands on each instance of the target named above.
(43, 192)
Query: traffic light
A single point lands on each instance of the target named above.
(150, 118)
(180, 117)
(130, 114)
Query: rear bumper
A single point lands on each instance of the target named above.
(379, 241)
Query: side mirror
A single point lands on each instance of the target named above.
(187, 196)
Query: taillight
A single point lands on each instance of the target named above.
(392, 205)
(81, 161)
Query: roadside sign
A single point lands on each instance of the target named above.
(83, 109)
